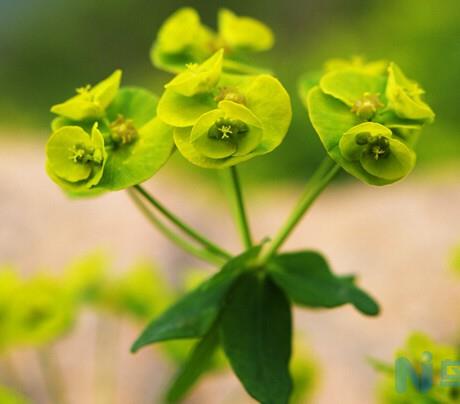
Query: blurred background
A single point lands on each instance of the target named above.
(397, 238)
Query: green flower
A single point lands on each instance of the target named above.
(368, 117)
(373, 147)
(183, 39)
(76, 159)
(90, 102)
(128, 145)
(41, 311)
(221, 120)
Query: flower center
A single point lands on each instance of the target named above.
(377, 146)
(79, 154)
(123, 131)
(228, 130)
(366, 106)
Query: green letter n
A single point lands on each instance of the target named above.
(404, 371)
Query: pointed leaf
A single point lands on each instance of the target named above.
(193, 315)
(307, 279)
(256, 337)
(199, 361)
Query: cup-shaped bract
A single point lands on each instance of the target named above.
(198, 78)
(237, 118)
(76, 158)
(183, 39)
(139, 143)
(90, 102)
(368, 117)
(128, 143)
(244, 33)
(405, 97)
(373, 147)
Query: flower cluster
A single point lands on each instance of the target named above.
(183, 39)
(42, 308)
(220, 119)
(106, 138)
(368, 117)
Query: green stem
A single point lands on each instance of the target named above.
(318, 182)
(53, 375)
(210, 246)
(12, 372)
(241, 216)
(168, 233)
(108, 330)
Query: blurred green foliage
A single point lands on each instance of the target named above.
(39, 310)
(50, 47)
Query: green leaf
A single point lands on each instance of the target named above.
(135, 163)
(193, 314)
(198, 362)
(307, 279)
(256, 337)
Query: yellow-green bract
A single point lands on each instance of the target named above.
(107, 138)
(368, 117)
(183, 39)
(221, 120)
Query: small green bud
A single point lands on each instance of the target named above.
(230, 94)
(123, 131)
(367, 106)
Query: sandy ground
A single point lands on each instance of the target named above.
(396, 238)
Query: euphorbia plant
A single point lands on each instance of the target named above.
(218, 112)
